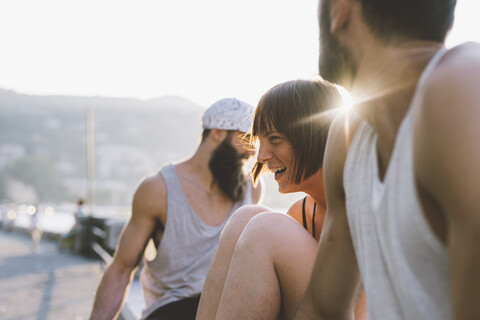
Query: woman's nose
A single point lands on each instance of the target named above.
(264, 155)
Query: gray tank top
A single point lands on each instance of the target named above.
(185, 252)
(403, 265)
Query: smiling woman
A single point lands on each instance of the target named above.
(298, 113)
(264, 259)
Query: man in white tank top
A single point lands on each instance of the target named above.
(183, 208)
(402, 168)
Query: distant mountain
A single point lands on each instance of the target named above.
(9, 98)
(132, 138)
(43, 145)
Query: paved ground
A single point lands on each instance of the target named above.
(45, 284)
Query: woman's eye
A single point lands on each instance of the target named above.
(274, 139)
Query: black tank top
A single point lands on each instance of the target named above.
(304, 216)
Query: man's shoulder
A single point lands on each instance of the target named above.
(466, 53)
(152, 184)
(460, 66)
(452, 85)
(150, 197)
(446, 120)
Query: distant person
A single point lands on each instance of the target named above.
(261, 269)
(402, 169)
(35, 230)
(183, 208)
(68, 239)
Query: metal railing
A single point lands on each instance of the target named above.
(98, 237)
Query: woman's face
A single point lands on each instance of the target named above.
(276, 152)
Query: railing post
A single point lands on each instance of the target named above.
(83, 236)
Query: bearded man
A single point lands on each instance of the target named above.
(402, 168)
(183, 208)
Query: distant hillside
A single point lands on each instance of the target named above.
(43, 145)
(42, 138)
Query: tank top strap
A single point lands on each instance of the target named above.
(304, 215)
(169, 174)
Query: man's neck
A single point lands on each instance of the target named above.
(387, 78)
(197, 168)
(384, 87)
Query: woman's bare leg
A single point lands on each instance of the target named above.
(215, 280)
(269, 271)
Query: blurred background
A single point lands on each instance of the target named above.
(95, 94)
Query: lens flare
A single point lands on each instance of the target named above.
(347, 101)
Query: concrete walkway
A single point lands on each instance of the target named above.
(45, 284)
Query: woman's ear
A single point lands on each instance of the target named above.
(339, 14)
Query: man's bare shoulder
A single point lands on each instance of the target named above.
(153, 183)
(150, 196)
(457, 73)
(450, 94)
(462, 56)
(446, 126)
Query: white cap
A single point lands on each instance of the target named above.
(228, 114)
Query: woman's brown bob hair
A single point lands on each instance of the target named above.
(298, 110)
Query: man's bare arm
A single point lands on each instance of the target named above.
(335, 280)
(148, 205)
(447, 166)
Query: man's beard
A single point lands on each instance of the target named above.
(226, 166)
(336, 62)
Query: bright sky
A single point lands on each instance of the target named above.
(201, 50)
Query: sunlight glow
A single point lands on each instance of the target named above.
(346, 98)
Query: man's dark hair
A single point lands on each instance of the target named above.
(400, 20)
(298, 110)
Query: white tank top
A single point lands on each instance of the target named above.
(403, 265)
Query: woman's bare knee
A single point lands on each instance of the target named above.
(239, 220)
(268, 225)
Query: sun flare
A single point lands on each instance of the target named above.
(347, 101)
